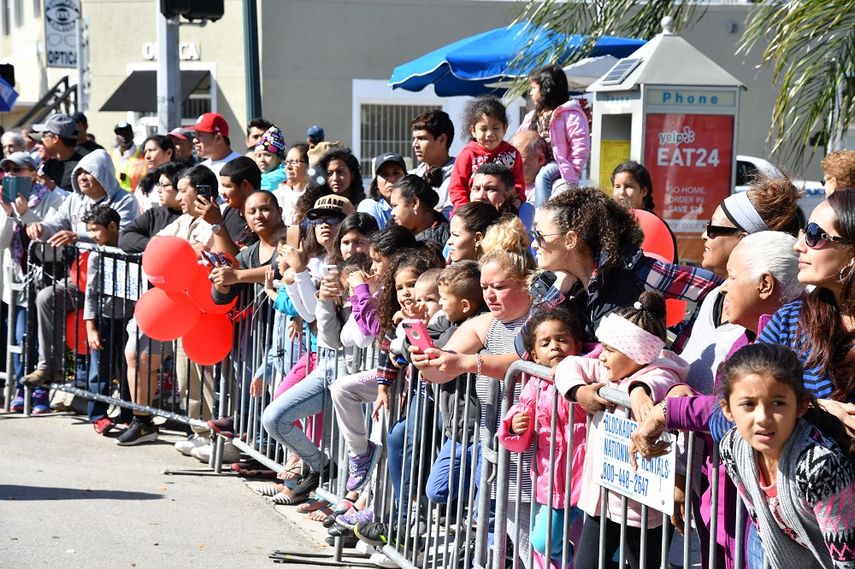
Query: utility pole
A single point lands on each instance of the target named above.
(168, 74)
(251, 56)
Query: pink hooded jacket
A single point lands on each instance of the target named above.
(659, 376)
(570, 138)
(536, 400)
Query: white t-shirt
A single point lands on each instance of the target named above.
(217, 165)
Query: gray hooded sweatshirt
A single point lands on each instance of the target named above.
(70, 214)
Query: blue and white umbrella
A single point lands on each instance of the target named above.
(8, 96)
(478, 64)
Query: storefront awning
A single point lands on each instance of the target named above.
(139, 91)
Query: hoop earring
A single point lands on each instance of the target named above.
(844, 273)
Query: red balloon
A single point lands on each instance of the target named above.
(675, 311)
(199, 291)
(75, 333)
(163, 316)
(169, 262)
(210, 340)
(657, 236)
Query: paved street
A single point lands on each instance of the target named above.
(72, 499)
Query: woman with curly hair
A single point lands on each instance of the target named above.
(592, 243)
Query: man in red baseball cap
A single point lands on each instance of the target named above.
(212, 142)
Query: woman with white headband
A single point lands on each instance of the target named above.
(633, 360)
(766, 205)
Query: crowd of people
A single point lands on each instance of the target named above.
(452, 270)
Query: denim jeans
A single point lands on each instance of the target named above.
(400, 445)
(754, 555)
(105, 364)
(305, 399)
(444, 478)
(547, 176)
(20, 320)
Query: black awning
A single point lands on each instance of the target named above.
(139, 91)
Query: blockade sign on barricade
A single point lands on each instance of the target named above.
(122, 279)
(652, 484)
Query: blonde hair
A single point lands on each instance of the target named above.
(840, 165)
(507, 244)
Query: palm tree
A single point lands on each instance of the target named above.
(809, 45)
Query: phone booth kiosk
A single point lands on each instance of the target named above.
(674, 110)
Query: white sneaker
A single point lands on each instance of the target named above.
(380, 560)
(193, 442)
(203, 453)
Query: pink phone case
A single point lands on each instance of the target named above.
(417, 333)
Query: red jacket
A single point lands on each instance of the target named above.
(471, 158)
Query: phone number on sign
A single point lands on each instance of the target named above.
(629, 481)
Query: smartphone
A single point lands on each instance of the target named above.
(205, 190)
(327, 269)
(14, 185)
(417, 333)
(540, 286)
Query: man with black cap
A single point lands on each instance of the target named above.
(59, 138)
(83, 143)
(127, 158)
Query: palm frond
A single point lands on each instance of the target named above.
(810, 48)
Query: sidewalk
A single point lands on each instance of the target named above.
(72, 499)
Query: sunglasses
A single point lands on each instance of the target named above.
(331, 221)
(714, 231)
(540, 237)
(817, 238)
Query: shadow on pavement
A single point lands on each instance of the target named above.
(36, 493)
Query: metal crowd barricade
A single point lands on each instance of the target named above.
(55, 292)
(467, 528)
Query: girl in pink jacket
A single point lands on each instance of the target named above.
(633, 360)
(549, 336)
(563, 124)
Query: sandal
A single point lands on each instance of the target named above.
(269, 490)
(312, 505)
(292, 471)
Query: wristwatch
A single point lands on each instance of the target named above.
(216, 228)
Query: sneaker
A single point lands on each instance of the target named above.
(103, 425)
(41, 377)
(192, 442)
(306, 484)
(18, 401)
(41, 401)
(142, 430)
(360, 467)
(353, 518)
(372, 533)
(203, 453)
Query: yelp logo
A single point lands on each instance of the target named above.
(677, 137)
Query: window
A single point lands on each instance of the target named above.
(386, 128)
(198, 102)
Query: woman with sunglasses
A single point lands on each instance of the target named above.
(819, 327)
(591, 242)
(766, 205)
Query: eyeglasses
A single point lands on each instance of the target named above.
(332, 221)
(539, 237)
(48, 133)
(817, 238)
(714, 231)
(295, 162)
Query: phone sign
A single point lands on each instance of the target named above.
(61, 17)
